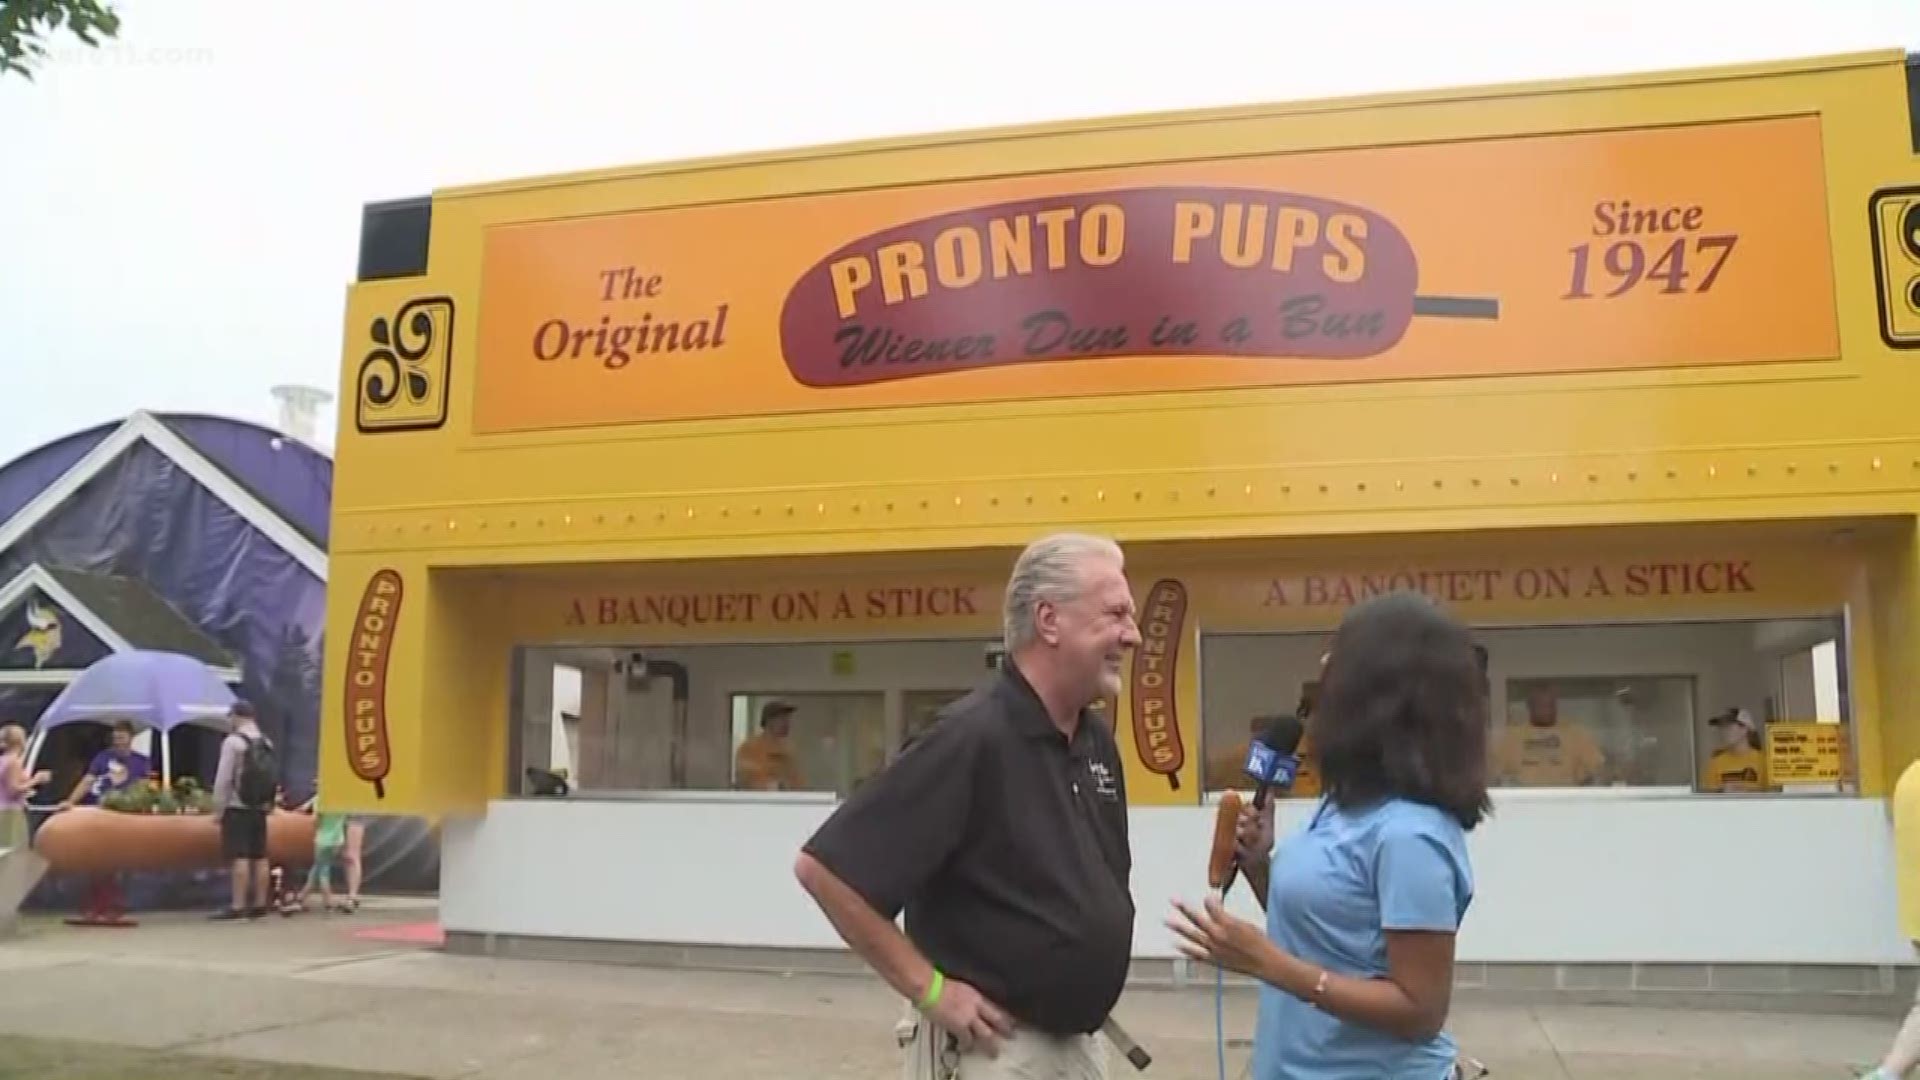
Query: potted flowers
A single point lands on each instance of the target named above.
(186, 796)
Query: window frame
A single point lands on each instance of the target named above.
(1842, 614)
(522, 653)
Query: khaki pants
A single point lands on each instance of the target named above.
(1029, 1055)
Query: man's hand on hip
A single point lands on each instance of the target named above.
(974, 1021)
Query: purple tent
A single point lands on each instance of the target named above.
(159, 522)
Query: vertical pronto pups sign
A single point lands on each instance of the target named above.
(369, 747)
(1156, 663)
(1649, 248)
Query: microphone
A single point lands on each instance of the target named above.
(1272, 761)
(1273, 758)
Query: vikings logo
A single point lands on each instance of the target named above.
(42, 636)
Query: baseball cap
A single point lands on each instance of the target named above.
(1733, 716)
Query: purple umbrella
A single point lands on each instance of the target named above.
(161, 690)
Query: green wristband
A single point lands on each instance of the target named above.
(932, 997)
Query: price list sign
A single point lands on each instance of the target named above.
(1803, 753)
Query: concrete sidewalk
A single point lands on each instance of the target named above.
(308, 990)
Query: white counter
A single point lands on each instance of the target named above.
(1600, 877)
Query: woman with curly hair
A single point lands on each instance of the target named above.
(1364, 902)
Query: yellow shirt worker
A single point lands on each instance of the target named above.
(1739, 764)
(1904, 1054)
(1544, 752)
(1906, 849)
(764, 761)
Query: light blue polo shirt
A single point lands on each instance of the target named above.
(1336, 885)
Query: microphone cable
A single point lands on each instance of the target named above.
(1272, 761)
(1220, 1019)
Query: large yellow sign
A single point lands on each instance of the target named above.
(1603, 250)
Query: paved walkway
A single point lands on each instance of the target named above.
(308, 990)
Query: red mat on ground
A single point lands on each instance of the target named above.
(426, 933)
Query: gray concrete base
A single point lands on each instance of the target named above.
(1840, 989)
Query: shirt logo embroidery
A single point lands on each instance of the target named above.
(1103, 780)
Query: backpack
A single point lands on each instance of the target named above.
(259, 777)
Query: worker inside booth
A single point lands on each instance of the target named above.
(765, 760)
(1545, 751)
(1738, 763)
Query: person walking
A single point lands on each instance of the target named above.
(1364, 902)
(1001, 832)
(329, 837)
(353, 856)
(244, 788)
(1904, 807)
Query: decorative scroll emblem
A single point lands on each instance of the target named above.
(403, 380)
(1896, 264)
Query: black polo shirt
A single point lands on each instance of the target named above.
(1006, 846)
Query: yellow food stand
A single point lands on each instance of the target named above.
(641, 464)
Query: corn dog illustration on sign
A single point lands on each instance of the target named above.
(885, 307)
(369, 747)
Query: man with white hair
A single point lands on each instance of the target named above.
(1002, 834)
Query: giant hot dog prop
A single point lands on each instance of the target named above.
(368, 747)
(92, 840)
(1156, 720)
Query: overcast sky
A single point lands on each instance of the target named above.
(179, 210)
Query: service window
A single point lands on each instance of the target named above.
(1585, 731)
(807, 741)
(1669, 705)
(918, 709)
(747, 717)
